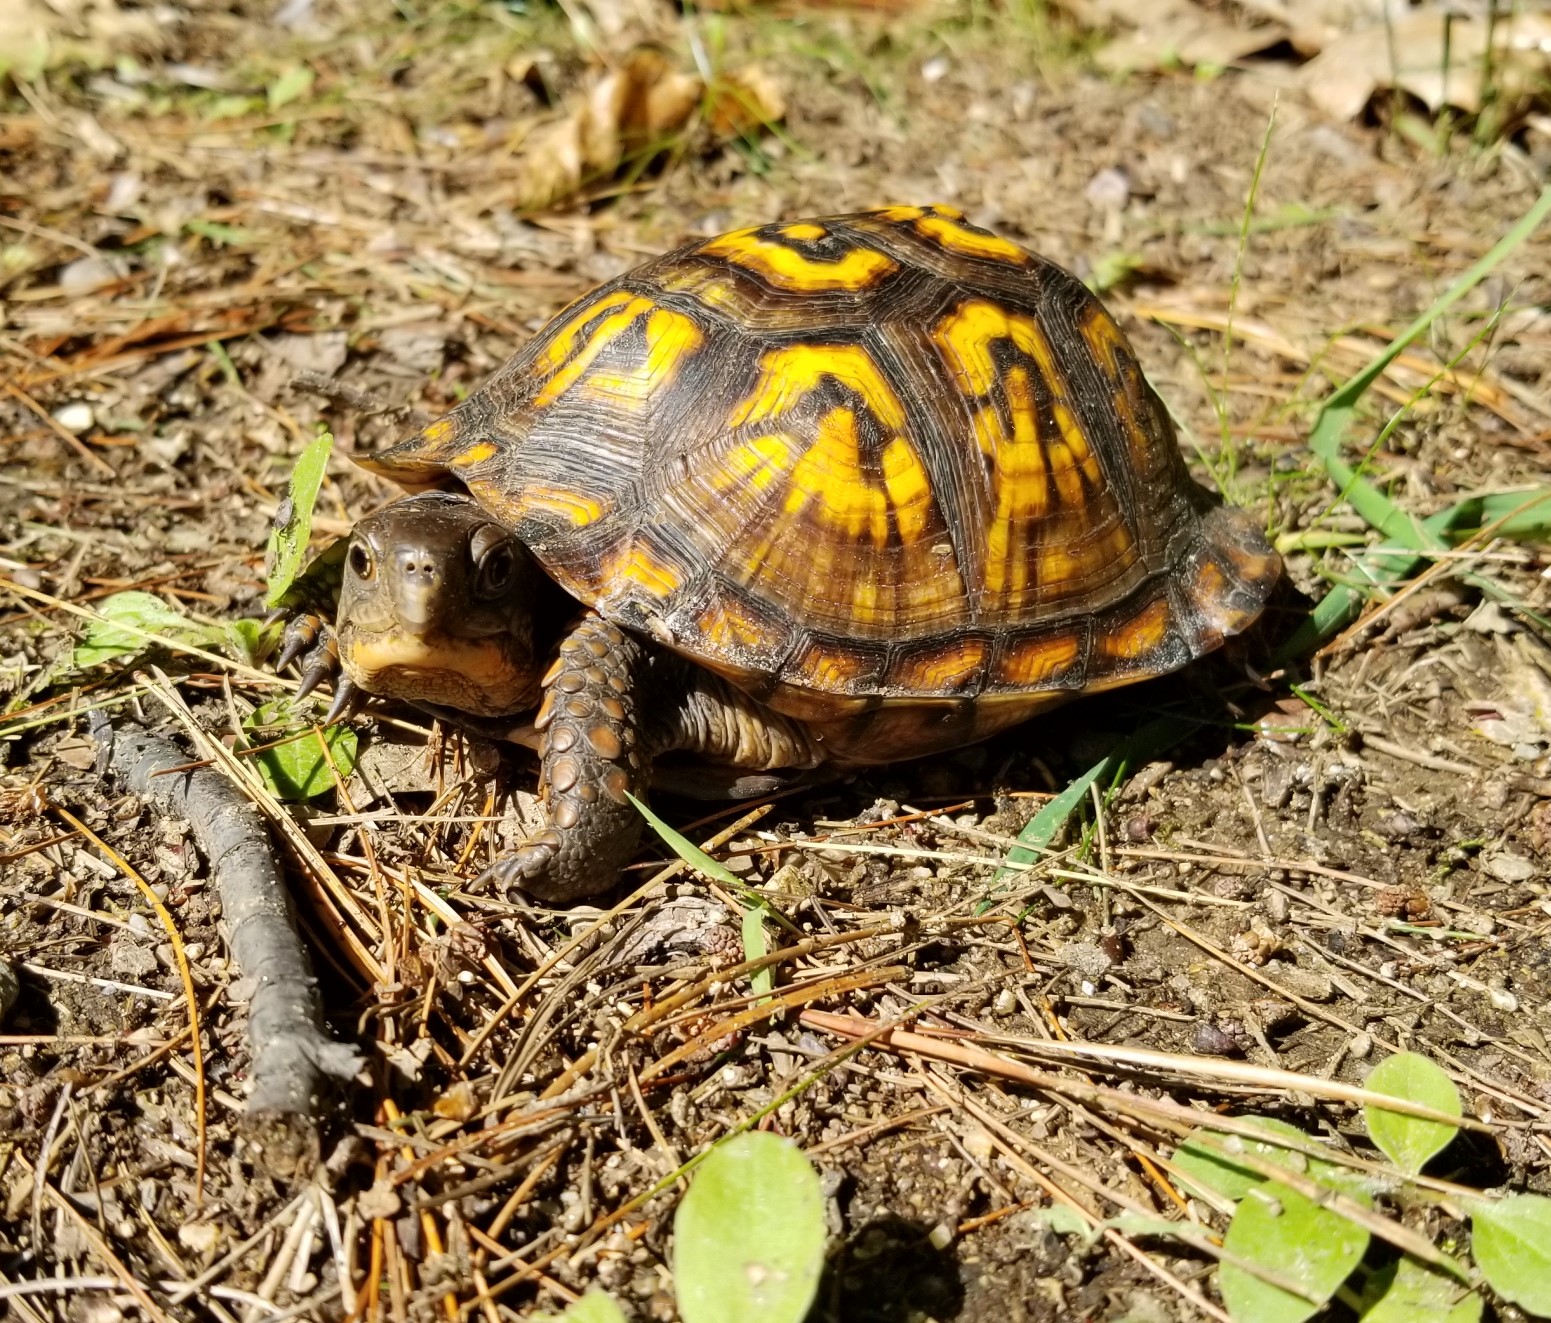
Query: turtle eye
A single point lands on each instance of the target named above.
(497, 569)
(361, 562)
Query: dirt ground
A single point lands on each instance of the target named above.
(1346, 856)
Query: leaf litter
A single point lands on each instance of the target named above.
(1309, 882)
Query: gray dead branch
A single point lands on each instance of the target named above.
(296, 1067)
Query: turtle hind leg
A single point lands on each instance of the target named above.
(594, 757)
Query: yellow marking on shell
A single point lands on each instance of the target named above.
(900, 213)
(563, 344)
(788, 375)
(1110, 350)
(943, 209)
(1018, 480)
(970, 242)
(636, 564)
(909, 488)
(947, 667)
(829, 477)
(438, 431)
(1039, 660)
(804, 231)
(574, 507)
(604, 333)
(1026, 465)
(755, 464)
(1138, 636)
(671, 338)
(826, 670)
(477, 453)
(856, 268)
(729, 630)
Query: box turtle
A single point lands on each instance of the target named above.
(847, 490)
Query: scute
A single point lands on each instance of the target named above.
(860, 459)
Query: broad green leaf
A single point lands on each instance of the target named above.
(1303, 1244)
(288, 539)
(748, 1238)
(294, 82)
(1206, 1156)
(1409, 1141)
(290, 757)
(1511, 1240)
(594, 1307)
(1065, 1220)
(1409, 1291)
(126, 619)
(248, 640)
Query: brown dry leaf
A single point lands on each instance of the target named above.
(1192, 38)
(634, 108)
(1437, 60)
(743, 102)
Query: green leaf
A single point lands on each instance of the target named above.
(1409, 1141)
(1409, 1291)
(288, 539)
(293, 83)
(248, 640)
(1309, 1247)
(748, 1238)
(293, 764)
(123, 614)
(1205, 1155)
(228, 236)
(1511, 1240)
(1065, 1220)
(594, 1307)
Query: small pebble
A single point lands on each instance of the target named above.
(1109, 190)
(76, 418)
(1503, 1000)
(1360, 1046)
(935, 69)
(1006, 1002)
(1508, 867)
(941, 1236)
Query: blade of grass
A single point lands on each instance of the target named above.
(1147, 741)
(1342, 605)
(757, 907)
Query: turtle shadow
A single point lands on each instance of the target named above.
(888, 1271)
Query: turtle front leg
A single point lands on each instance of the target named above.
(594, 754)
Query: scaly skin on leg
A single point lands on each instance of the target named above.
(594, 755)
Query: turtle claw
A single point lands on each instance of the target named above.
(302, 635)
(348, 697)
(524, 867)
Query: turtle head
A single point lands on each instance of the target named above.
(437, 606)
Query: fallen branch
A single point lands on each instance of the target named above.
(295, 1064)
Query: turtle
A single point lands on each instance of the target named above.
(836, 492)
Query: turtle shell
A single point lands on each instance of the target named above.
(883, 456)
